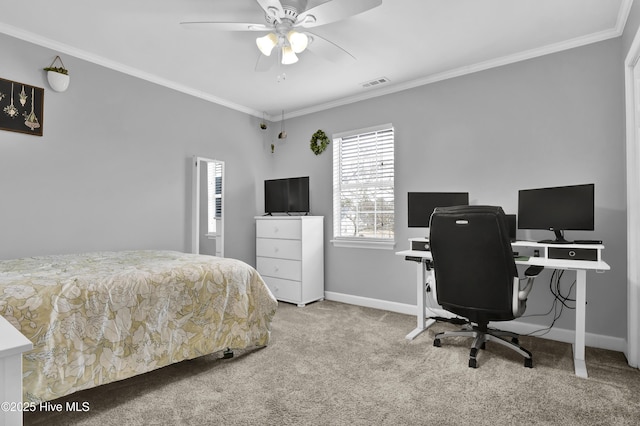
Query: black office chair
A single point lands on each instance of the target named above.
(476, 275)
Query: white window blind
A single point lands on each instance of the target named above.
(363, 185)
(214, 195)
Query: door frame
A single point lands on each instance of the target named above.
(632, 108)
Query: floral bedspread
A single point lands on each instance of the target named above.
(99, 317)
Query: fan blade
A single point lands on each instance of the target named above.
(272, 8)
(333, 11)
(328, 49)
(226, 26)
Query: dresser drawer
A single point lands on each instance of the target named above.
(288, 229)
(289, 291)
(284, 249)
(279, 268)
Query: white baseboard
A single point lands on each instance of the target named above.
(401, 308)
(558, 334)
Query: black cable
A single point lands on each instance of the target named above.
(557, 292)
(551, 280)
(559, 302)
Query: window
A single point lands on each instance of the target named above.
(363, 188)
(214, 195)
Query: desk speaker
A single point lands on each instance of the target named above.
(573, 253)
(420, 245)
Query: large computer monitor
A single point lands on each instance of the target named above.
(422, 204)
(557, 209)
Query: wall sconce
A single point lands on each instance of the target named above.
(58, 77)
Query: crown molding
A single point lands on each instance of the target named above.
(458, 72)
(616, 31)
(623, 15)
(117, 66)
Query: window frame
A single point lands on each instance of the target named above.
(355, 241)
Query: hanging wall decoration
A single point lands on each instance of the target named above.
(58, 77)
(282, 134)
(263, 123)
(319, 142)
(21, 107)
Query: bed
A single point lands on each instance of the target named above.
(95, 318)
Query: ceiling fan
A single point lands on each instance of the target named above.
(287, 24)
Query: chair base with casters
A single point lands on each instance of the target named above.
(483, 334)
(476, 276)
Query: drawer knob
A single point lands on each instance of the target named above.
(275, 229)
(276, 249)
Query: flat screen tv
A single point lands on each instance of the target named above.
(421, 205)
(290, 195)
(557, 209)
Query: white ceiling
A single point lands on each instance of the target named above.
(410, 42)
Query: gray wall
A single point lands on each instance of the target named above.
(550, 121)
(112, 170)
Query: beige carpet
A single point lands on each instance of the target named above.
(335, 364)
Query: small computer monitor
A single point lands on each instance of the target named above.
(557, 209)
(422, 204)
(511, 224)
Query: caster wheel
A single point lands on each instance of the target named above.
(473, 363)
(228, 353)
(528, 362)
(515, 341)
(483, 346)
(437, 343)
(473, 353)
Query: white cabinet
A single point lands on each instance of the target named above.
(290, 256)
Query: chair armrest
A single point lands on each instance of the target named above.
(524, 293)
(533, 271)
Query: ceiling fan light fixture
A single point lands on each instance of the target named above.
(288, 56)
(267, 43)
(298, 41)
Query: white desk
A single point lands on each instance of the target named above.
(580, 266)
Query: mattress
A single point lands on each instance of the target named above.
(95, 318)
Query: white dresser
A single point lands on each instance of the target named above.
(290, 256)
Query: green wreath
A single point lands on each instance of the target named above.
(319, 142)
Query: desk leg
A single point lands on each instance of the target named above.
(423, 323)
(581, 307)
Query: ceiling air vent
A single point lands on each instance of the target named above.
(376, 82)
